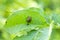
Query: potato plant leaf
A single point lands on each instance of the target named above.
(42, 34)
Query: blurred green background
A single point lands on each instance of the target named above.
(8, 7)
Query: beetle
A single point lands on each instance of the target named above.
(28, 20)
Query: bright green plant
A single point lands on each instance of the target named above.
(20, 20)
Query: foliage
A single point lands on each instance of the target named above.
(29, 19)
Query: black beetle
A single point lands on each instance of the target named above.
(28, 20)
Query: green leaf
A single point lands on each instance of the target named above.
(19, 18)
(56, 18)
(27, 37)
(42, 34)
(55, 34)
(18, 28)
(17, 25)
